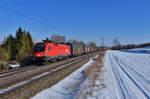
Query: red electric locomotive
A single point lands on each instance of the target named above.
(46, 51)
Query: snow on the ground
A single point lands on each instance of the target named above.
(67, 88)
(93, 90)
(128, 74)
(14, 66)
(125, 75)
(96, 92)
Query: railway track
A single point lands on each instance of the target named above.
(11, 72)
(15, 76)
(16, 88)
(20, 75)
(23, 69)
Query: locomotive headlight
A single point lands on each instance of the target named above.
(45, 54)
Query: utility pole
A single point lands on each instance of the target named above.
(102, 43)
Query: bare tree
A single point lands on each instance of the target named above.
(82, 43)
(73, 41)
(58, 39)
(116, 42)
(92, 44)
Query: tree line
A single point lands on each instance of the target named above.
(118, 46)
(56, 38)
(17, 47)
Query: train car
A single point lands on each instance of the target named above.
(86, 49)
(46, 51)
(76, 49)
(91, 49)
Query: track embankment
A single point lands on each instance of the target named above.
(51, 77)
(22, 74)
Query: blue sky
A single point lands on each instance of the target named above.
(87, 20)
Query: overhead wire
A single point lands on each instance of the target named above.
(27, 17)
(59, 31)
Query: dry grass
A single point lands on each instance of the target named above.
(96, 66)
(93, 72)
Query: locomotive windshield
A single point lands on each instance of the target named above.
(39, 48)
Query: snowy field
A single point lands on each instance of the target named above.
(125, 75)
(128, 74)
(75, 86)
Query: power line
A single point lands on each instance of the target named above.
(102, 42)
(27, 17)
(34, 20)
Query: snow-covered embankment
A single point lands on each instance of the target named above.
(70, 87)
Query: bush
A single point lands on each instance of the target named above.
(3, 66)
(3, 54)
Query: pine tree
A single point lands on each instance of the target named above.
(9, 44)
(12, 46)
(30, 40)
(25, 49)
(19, 36)
(19, 47)
(4, 56)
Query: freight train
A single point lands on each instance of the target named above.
(47, 51)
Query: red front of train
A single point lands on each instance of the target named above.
(46, 51)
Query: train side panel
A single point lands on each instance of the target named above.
(76, 49)
(51, 51)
